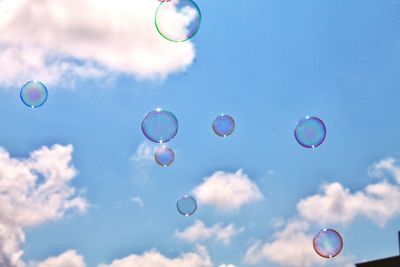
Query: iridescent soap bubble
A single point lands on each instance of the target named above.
(164, 156)
(310, 132)
(159, 125)
(178, 20)
(34, 94)
(328, 243)
(223, 125)
(186, 205)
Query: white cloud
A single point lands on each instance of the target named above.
(144, 154)
(292, 246)
(227, 265)
(277, 222)
(384, 167)
(289, 247)
(227, 191)
(55, 41)
(138, 201)
(198, 232)
(337, 205)
(199, 258)
(33, 191)
(67, 259)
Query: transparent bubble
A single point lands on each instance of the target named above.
(310, 132)
(178, 20)
(223, 125)
(164, 156)
(186, 205)
(160, 126)
(34, 94)
(328, 243)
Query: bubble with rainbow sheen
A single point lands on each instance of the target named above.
(186, 205)
(34, 94)
(310, 132)
(223, 125)
(164, 156)
(328, 243)
(178, 20)
(160, 126)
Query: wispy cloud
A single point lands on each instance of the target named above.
(199, 232)
(144, 154)
(138, 201)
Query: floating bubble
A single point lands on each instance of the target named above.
(223, 125)
(164, 0)
(328, 243)
(186, 205)
(310, 132)
(160, 126)
(34, 94)
(164, 156)
(178, 20)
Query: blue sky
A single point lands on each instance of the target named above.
(267, 64)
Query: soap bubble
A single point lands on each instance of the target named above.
(178, 20)
(186, 205)
(223, 125)
(34, 94)
(328, 243)
(160, 126)
(164, 156)
(310, 132)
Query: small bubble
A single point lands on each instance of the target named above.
(186, 205)
(34, 94)
(164, 156)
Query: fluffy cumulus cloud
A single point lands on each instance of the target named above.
(56, 41)
(68, 259)
(33, 191)
(337, 205)
(198, 232)
(198, 258)
(227, 191)
(291, 246)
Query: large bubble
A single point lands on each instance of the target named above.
(310, 132)
(223, 125)
(178, 20)
(328, 243)
(164, 156)
(34, 94)
(159, 125)
(186, 205)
